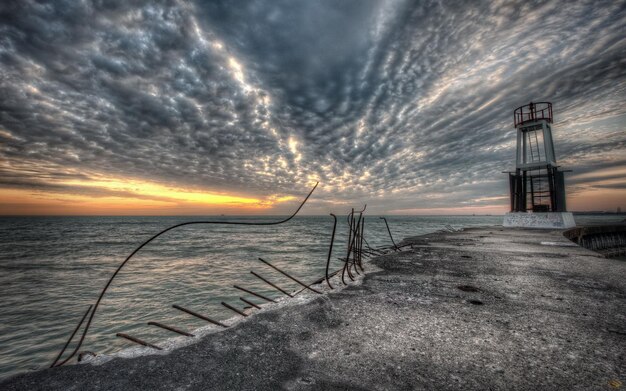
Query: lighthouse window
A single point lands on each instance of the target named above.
(534, 127)
(535, 151)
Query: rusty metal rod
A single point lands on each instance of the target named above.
(354, 262)
(171, 328)
(357, 234)
(85, 353)
(287, 275)
(388, 230)
(249, 303)
(355, 250)
(230, 307)
(370, 247)
(361, 247)
(319, 281)
(137, 341)
(106, 287)
(360, 212)
(254, 294)
(271, 284)
(350, 249)
(330, 250)
(368, 252)
(362, 236)
(71, 337)
(405, 245)
(333, 274)
(197, 315)
(391, 247)
(357, 241)
(367, 244)
(351, 229)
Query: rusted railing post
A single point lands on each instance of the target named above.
(138, 341)
(230, 307)
(250, 303)
(350, 243)
(362, 239)
(70, 340)
(288, 276)
(355, 250)
(260, 296)
(271, 284)
(388, 230)
(197, 315)
(330, 250)
(170, 328)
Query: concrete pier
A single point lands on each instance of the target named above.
(492, 308)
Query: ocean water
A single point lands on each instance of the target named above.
(53, 268)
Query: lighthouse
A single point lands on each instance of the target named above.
(537, 186)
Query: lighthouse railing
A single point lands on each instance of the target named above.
(533, 112)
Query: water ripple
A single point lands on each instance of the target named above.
(52, 269)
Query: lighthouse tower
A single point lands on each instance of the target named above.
(537, 185)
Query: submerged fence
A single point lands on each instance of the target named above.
(357, 249)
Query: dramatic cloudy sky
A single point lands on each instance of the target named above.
(220, 106)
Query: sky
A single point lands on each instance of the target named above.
(210, 107)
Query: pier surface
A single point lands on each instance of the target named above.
(490, 308)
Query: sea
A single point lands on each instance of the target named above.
(53, 268)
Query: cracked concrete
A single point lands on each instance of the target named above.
(543, 316)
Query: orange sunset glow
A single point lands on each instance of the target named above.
(116, 196)
(218, 112)
(312, 194)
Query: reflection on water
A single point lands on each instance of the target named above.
(53, 268)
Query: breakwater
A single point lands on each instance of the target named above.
(483, 308)
(608, 240)
(52, 268)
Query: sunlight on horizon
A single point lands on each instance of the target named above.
(110, 195)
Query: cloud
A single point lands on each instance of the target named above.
(403, 104)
